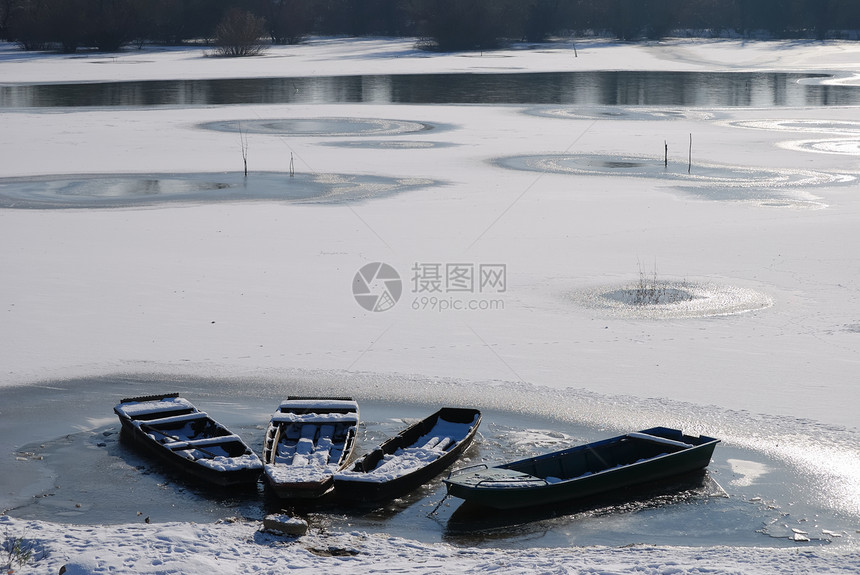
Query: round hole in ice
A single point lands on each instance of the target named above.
(666, 299)
(621, 164)
(650, 295)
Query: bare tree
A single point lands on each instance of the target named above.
(240, 33)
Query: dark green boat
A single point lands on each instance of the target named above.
(585, 470)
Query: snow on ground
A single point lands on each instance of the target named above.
(335, 57)
(251, 288)
(241, 547)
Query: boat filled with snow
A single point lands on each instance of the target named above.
(411, 458)
(307, 441)
(611, 464)
(172, 429)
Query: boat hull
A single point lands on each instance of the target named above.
(307, 441)
(139, 427)
(359, 485)
(527, 483)
(245, 477)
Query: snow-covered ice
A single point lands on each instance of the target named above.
(261, 290)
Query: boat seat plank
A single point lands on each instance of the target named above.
(305, 446)
(194, 443)
(431, 442)
(175, 419)
(657, 439)
(318, 418)
(437, 442)
(326, 432)
(143, 409)
(327, 405)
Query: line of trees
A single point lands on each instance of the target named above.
(443, 24)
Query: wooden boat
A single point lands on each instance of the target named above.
(585, 470)
(411, 458)
(172, 429)
(307, 441)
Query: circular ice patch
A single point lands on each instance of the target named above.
(844, 146)
(135, 190)
(651, 167)
(787, 203)
(800, 125)
(616, 113)
(708, 181)
(664, 299)
(321, 127)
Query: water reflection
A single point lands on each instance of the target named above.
(693, 89)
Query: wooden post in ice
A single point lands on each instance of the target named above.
(244, 141)
(690, 155)
(665, 154)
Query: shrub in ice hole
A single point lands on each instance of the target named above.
(650, 291)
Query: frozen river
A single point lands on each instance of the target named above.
(166, 270)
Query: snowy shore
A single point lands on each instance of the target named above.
(240, 548)
(262, 288)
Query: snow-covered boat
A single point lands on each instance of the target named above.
(411, 458)
(175, 431)
(585, 470)
(307, 441)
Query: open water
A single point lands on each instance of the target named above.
(597, 88)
